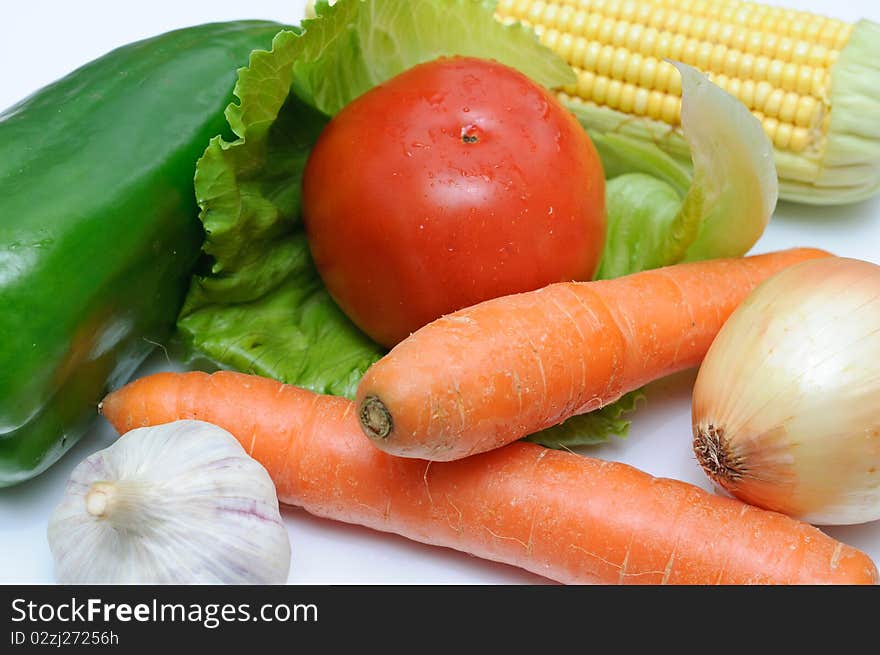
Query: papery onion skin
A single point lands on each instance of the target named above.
(786, 406)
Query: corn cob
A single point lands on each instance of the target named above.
(813, 82)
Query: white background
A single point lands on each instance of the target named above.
(43, 40)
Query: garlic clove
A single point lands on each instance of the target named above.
(785, 408)
(180, 503)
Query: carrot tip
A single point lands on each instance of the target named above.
(375, 419)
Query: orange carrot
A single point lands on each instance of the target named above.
(566, 517)
(490, 374)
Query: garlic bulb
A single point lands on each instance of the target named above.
(180, 503)
(786, 406)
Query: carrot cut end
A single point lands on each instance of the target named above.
(375, 419)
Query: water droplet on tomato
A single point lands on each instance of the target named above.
(545, 109)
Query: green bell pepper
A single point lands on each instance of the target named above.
(98, 226)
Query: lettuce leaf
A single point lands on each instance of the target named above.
(661, 213)
(592, 428)
(356, 44)
(646, 228)
(735, 186)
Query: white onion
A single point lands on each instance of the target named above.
(786, 407)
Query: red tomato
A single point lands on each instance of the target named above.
(456, 181)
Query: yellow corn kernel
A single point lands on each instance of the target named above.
(747, 94)
(634, 37)
(627, 98)
(612, 98)
(806, 112)
(788, 108)
(605, 59)
(733, 86)
(633, 68)
(655, 104)
(783, 135)
(671, 110)
(668, 79)
(762, 92)
(619, 32)
(773, 104)
(641, 101)
(619, 61)
(565, 45)
(731, 64)
(596, 52)
(600, 89)
(800, 139)
(702, 55)
(579, 50)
